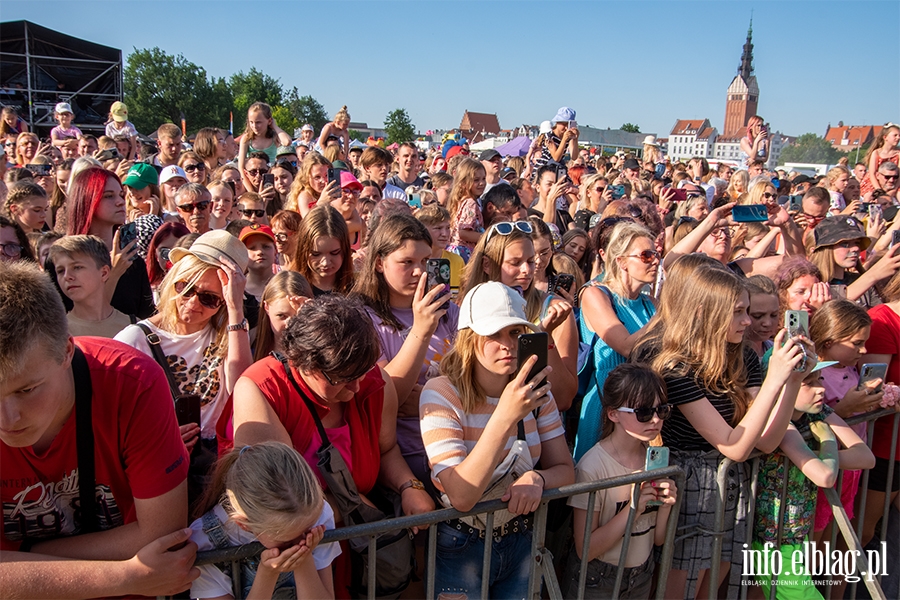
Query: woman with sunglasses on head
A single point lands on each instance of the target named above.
(202, 332)
(96, 206)
(506, 253)
(194, 167)
(330, 355)
(722, 408)
(612, 315)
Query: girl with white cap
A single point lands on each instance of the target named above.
(485, 427)
(65, 131)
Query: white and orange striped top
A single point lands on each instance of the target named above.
(449, 434)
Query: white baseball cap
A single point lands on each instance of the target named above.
(546, 127)
(498, 306)
(171, 172)
(63, 107)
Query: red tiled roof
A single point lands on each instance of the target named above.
(474, 125)
(683, 126)
(857, 135)
(706, 133)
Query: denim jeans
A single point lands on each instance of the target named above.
(460, 556)
(601, 579)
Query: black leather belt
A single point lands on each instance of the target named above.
(520, 523)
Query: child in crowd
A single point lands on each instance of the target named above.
(260, 242)
(765, 317)
(808, 471)
(261, 134)
(119, 125)
(65, 131)
(142, 191)
(338, 128)
(282, 298)
(436, 220)
(346, 205)
(83, 266)
(266, 493)
(41, 246)
(886, 147)
(634, 408)
(27, 204)
(466, 220)
(323, 251)
(839, 330)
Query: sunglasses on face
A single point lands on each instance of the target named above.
(768, 195)
(506, 228)
(194, 167)
(342, 381)
(256, 172)
(646, 256)
(259, 213)
(282, 237)
(189, 208)
(207, 299)
(890, 176)
(644, 415)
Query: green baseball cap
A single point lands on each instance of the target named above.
(141, 175)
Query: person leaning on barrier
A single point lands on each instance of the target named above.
(50, 549)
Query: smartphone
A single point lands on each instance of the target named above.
(39, 170)
(795, 203)
(187, 409)
(268, 180)
(871, 372)
(875, 209)
(617, 191)
(573, 124)
(108, 154)
(335, 176)
(750, 213)
(657, 458)
(414, 200)
(537, 344)
(796, 322)
(127, 234)
(561, 172)
(838, 291)
(895, 238)
(563, 281)
(438, 273)
(678, 195)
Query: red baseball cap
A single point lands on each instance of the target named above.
(256, 229)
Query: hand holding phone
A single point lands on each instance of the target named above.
(438, 273)
(657, 458)
(872, 372)
(750, 213)
(268, 180)
(533, 344)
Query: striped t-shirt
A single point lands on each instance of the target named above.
(450, 434)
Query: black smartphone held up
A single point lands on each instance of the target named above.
(563, 281)
(268, 180)
(39, 170)
(749, 213)
(335, 176)
(537, 344)
(871, 372)
(108, 154)
(127, 234)
(438, 273)
(895, 238)
(187, 409)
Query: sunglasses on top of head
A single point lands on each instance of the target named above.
(507, 227)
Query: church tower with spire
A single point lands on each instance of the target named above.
(743, 93)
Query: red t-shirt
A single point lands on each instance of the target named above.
(138, 452)
(885, 339)
(362, 415)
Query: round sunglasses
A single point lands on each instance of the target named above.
(207, 299)
(646, 256)
(644, 415)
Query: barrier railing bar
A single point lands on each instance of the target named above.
(488, 546)
(779, 535)
(626, 541)
(586, 545)
(864, 486)
(751, 511)
(843, 522)
(839, 486)
(718, 535)
(370, 592)
(668, 550)
(430, 559)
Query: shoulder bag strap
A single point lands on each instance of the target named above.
(309, 403)
(84, 442)
(159, 357)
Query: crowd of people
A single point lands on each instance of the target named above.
(216, 341)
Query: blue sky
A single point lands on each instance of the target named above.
(649, 63)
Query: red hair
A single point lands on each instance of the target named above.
(84, 195)
(154, 273)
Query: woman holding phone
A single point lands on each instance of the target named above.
(312, 187)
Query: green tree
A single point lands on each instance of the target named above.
(254, 86)
(810, 148)
(159, 87)
(306, 109)
(285, 119)
(398, 127)
(356, 135)
(630, 128)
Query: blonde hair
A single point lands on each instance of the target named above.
(189, 269)
(342, 115)
(834, 173)
(623, 236)
(267, 487)
(285, 284)
(302, 180)
(877, 143)
(741, 177)
(755, 194)
(458, 365)
(463, 182)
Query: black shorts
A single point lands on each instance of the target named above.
(879, 474)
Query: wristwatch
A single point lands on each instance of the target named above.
(243, 325)
(412, 483)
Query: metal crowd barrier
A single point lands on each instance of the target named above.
(543, 570)
(542, 567)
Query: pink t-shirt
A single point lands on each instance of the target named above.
(838, 381)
